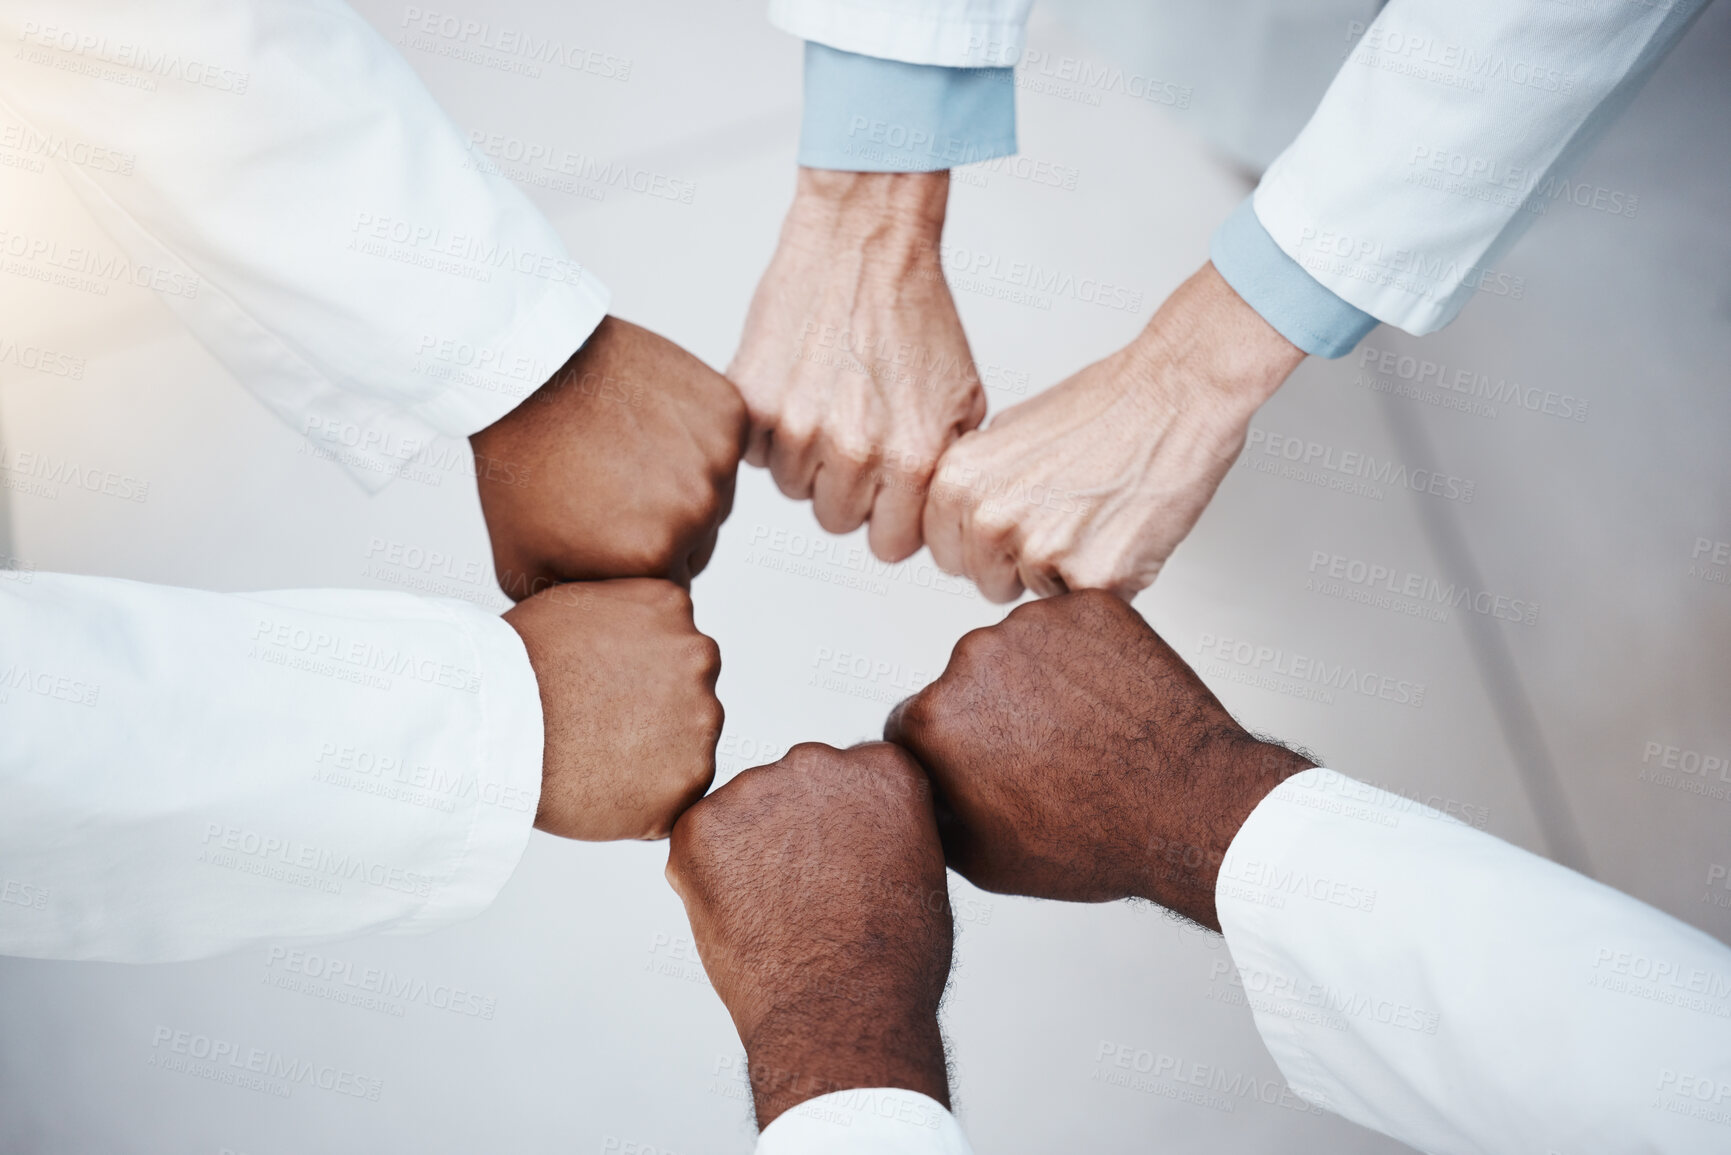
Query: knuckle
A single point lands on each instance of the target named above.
(676, 795)
(702, 655)
(975, 648)
(808, 756)
(994, 523)
(670, 598)
(1094, 579)
(692, 833)
(697, 499)
(711, 717)
(891, 762)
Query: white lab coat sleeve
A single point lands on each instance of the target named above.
(1432, 982)
(954, 33)
(1449, 127)
(184, 773)
(865, 1121)
(279, 175)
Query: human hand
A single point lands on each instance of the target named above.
(1075, 756)
(628, 700)
(816, 892)
(1091, 484)
(621, 465)
(853, 363)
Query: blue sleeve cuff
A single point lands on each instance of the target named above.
(1276, 286)
(866, 114)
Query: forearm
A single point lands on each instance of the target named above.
(1411, 973)
(893, 215)
(829, 1046)
(950, 33)
(1191, 834)
(320, 224)
(1510, 94)
(1208, 341)
(240, 767)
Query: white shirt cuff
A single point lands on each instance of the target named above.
(866, 1121)
(508, 772)
(911, 32)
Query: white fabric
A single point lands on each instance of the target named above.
(329, 236)
(188, 772)
(1430, 981)
(1492, 100)
(1408, 182)
(953, 33)
(1439, 985)
(865, 1121)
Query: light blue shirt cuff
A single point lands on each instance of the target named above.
(866, 114)
(1276, 286)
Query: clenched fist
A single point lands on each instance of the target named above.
(1076, 757)
(815, 888)
(628, 700)
(853, 361)
(1093, 483)
(621, 465)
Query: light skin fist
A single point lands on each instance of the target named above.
(628, 700)
(816, 892)
(1075, 756)
(621, 465)
(1092, 484)
(853, 362)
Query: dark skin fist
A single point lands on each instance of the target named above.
(815, 888)
(628, 700)
(1075, 756)
(621, 465)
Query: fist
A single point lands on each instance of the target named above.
(815, 888)
(1093, 483)
(1075, 756)
(621, 465)
(628, 698)
(853, 362)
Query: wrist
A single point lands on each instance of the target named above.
(1208, 338)
(895, 209)
(1230, 776)
(839, 1046)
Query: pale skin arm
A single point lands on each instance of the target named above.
(853, 365)
(1092, 484)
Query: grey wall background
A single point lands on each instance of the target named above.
(600, 1031)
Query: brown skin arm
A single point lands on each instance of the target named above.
(1076, 756)
(815, 888)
